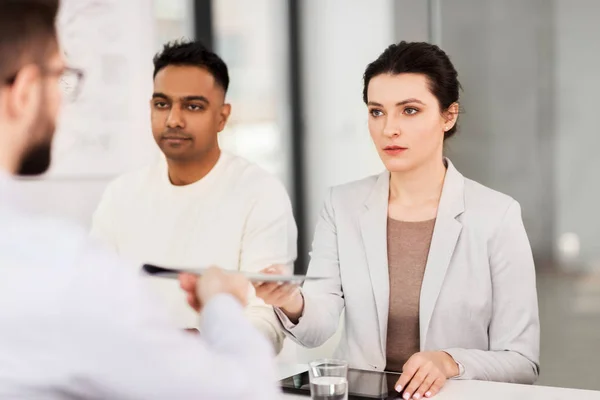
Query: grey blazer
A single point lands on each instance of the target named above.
(478, 297)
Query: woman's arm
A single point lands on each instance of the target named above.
(514, 331)
(323, 300)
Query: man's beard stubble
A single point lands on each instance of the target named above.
(36, 160)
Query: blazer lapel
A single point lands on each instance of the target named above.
(443, 242)
(373, 224)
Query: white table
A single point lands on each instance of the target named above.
(478, 390)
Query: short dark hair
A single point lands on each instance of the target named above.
(192, 53)
(27, 33)
(419, 58)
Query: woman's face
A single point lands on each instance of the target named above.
(405, 121)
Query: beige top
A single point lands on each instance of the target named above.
(408, 248)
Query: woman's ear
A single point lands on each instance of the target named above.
(451, 115)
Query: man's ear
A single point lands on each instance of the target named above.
(24, 96)
(225, 113)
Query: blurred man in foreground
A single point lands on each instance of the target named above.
(76, 322)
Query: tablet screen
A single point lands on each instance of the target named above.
(361, 384)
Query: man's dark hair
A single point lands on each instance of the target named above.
(192, 53)
(27, 33)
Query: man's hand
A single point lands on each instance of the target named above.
(425, 373)
(188, 283)
(213, 282)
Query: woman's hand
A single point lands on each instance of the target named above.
(285, 296)
(425, 373)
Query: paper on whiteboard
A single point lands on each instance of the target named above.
(106, 130)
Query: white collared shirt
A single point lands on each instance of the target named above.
(75, 322)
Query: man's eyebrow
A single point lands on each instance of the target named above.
(196, 98)
(160, 95)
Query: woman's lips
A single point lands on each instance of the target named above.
(394, 150)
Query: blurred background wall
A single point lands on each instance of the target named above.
(527, 69)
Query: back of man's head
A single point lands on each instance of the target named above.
(27, 32)
(29, 93)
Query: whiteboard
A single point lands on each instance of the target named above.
(106, 131)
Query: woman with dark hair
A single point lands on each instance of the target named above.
(434, 272)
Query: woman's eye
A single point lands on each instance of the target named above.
(376, 113)
(410, 111)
